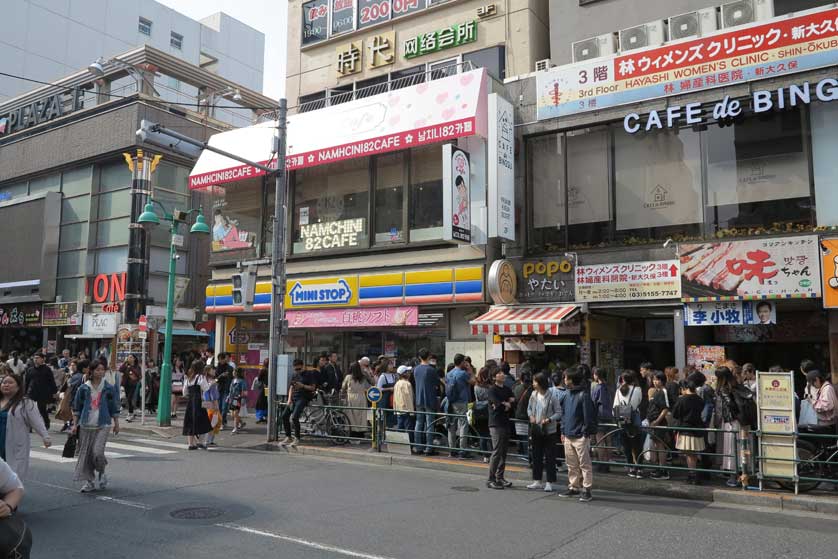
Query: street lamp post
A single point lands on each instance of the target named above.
(164, 418)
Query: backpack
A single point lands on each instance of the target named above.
(747, 405)
(623, 411)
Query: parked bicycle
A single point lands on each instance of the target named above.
(817, 454)
(324, 422)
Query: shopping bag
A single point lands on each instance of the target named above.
(64, 411)
(808, 416)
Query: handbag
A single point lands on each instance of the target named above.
(537, 430)
(15, 538)
(70, 446)
(808, 416)
(64, 411)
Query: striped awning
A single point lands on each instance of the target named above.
(522, 320)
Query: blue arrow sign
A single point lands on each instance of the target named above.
(374, 394)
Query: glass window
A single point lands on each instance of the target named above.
(408, 77)
(113, 232)
(49, 183)
(176, 40)
(341, 94)
(172, 177)
(70, 289)
(370, 87)
(758, 175)
(236, 218)
(824, 147)
(13, 191)
(112, 260)
(546, 185)
(444, 68)
(73, 236)
(159, 261)
(492, 58)
(331, 207)
(75, 209)
(588, 189)
(144, 26)
(658, 185)
(389, 198)
(115, 204)
(77, 181)
(313, 101)
(72, 263)
(160, 234)
(426, 193)
(114, 176)
(158, 288)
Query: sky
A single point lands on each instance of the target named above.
(268, 16)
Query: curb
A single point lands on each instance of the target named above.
(778, 501)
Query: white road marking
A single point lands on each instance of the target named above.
(38, 455)
(132, 504)
(108, 454)
(164, 444)
(298, 541)
(143, 449)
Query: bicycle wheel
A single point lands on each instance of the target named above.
(440, 430)
(338, 428)
(306, 421)
(806, 467)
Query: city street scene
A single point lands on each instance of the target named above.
(397, 279)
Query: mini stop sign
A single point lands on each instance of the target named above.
(143, 323)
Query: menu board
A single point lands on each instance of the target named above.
(329, 18)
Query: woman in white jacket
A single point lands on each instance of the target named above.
(627, 415)
(18, 416)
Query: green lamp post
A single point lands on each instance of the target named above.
(200, 227)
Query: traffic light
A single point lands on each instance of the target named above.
(244, 287)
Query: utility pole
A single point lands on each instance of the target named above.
(278, 325)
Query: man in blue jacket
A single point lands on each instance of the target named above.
(427, 403)
(579, 424)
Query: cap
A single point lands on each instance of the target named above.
(403, 369)
(364, 359)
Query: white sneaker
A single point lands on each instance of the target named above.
(88, 487)
(234, 431)
(534, 485)
(286, 441)
(103, 480)
(294, 441)
(548, 487)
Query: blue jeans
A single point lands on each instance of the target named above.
(293, 412)
(458, 427)
(404, 422)
(424, 433)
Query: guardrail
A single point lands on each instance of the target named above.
(731, 454)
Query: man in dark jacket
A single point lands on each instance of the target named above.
(224, 378)
(501, 402)
(40, 386)
(578, 426)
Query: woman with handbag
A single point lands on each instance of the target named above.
(480, 412)
(260, 383)
(196, 422)
(627, 415)
(825, 403)
(544, 412)
(18, 417)
(95, 408)
(210, 402)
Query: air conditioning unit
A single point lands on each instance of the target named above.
(694, 24)
(595, 47)
(650, 34)
(542, 65)
(746, 11)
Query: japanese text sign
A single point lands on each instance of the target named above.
(355, 318)
(781, 46)
(829, 256)
(629, 281)
(21, 315)
(777, 268)
(729, 313)
(545, 281)
(61, 314)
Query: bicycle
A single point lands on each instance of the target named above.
(817, 457)
(324, 422)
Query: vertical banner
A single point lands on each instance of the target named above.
(829, 277)
(501, 168)
(775, 393)
(456, 195)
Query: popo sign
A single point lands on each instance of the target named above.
(323, 293)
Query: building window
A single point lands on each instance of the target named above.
(426, 193)
(390, 198)
(588, 194)
(144, 26)
(546, 187)
(444, 68)
(312, 102)
(408, 77)
(340, 94)
(370, 87)
(493, 59)
(176, 41)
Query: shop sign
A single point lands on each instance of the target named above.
(100, 324)
(42, 110)
(515, 343)
(501, 177)
(775, 394)
(705, 357)
(628, 281)
(343, 16)
(335, 234)
(774, 268)
(693, 114)
(20, 315)
(315, 21)
(435, 41)
(456, 193)
(61, 314)
(106, 288)
(829, 265)
(381, 50)
(322, 292)
(730, 313)
(784, 45)
(348, 58)
(503, 282)
(546, 280)
(354, 318)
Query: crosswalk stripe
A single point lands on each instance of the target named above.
(108, 454)
(38, 455)
(142, 449)
(165, 444)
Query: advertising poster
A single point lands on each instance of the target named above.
(778, 268)
(456, 177)
(61, 314)
(501, 168)
(629, 281)
(705, 357)
(730, 313)
(783, 45)
(226, 233)
(829, 265)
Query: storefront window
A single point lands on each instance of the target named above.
(824, 147)
(758, 176)
(236, 218)
(658, 186)
(426, 194)
(77, 181)
(588, 191)
(331, 207)
(546, 183)
(389, 199)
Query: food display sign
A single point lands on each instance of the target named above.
(783, 45)
(705, 357)
(775, 401)
(361, 318)
(776, 268)
(628, 281)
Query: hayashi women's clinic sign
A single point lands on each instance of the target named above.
(781, 46)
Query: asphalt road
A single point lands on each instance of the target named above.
(165, 501)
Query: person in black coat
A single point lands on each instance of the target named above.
(40, 385)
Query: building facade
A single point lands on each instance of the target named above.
(680, 199)
(68, 208)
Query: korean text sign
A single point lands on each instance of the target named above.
(778, 268)
(628, 281)
(746, 53)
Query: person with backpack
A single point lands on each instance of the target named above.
(544, 412)
(626, 411)
(480, 411)
(579, 424)
(735, 413)
(387, 382)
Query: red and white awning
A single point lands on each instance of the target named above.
(522, 320)
(426, 113)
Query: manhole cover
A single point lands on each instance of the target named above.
(197, 513)
(465, 489)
